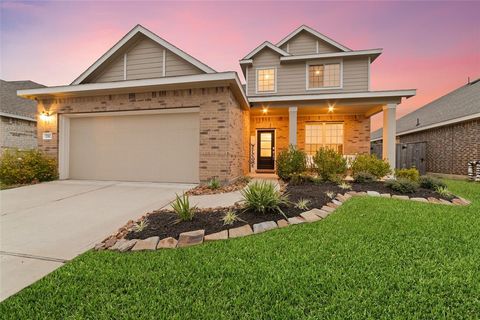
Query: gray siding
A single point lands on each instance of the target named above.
(305, 43)
(144, 61)
(291, 76)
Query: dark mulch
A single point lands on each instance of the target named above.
(164, 223)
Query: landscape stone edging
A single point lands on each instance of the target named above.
(196, 237)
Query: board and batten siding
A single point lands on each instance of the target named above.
(292, 76)
(144, 60)
(305, 43)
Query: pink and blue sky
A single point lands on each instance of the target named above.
(430, 46)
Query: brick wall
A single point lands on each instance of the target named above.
(17, 133)
(356, 130)
(449, 148)
(220, 116)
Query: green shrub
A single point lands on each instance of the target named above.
(230, 218)
(364, 177)
(214, 183)
(411, 174)
(182, 208)
(140, 226)
(431, 183)
(371, 164)
(402, 185)
(262, 197)
(345, 186)
(291, 162)
(329, 164)
(302, 204)
(23, 167)
(444, 192)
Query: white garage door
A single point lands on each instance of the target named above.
(148, 147)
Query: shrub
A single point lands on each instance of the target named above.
(230, 218)
(444, 192)
(302, 204)
(432, 183)
(329, 164)
(182, 208)
(330, 194)
(371, 164)
(345, 186)
(291, 162)
(402, 185)
(140, 226)
(23, 167)
(411, 174)
(214, 183)
(262, 197)
(364, 177)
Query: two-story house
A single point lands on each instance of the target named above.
(148, 111)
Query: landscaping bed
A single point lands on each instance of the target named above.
(165, 223)
(215, 187)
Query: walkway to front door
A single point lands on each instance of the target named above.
(266, 150)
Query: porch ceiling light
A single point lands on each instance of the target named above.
(330, 108)
(264, 110)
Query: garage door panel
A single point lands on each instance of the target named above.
(160, 147)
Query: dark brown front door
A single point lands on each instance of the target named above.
(266, 149)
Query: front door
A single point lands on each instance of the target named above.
(266, 149)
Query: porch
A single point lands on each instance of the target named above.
(343, 125)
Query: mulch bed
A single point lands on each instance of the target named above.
(204, 189)
(164, 223)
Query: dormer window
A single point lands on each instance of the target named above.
(266, 80)
(324, 76)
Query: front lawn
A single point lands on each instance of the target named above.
(373, 258)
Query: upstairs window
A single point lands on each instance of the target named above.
(323, 135)
(266, 80)
(324, 76)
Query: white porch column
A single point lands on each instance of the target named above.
(292, 126)
(389, 133)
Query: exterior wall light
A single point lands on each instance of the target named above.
(45, 116)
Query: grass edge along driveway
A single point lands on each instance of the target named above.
(374, 258)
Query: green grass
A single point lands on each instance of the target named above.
(374, 258)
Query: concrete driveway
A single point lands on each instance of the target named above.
(45, 225)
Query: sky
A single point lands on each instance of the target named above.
(429, 46)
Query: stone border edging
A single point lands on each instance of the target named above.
(196, 237)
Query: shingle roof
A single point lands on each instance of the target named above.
(462, 102)
(14, 105)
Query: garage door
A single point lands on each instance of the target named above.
(153, 147)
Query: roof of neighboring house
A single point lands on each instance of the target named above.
(14, 106)
(459, 105)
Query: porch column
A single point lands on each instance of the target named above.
(389, 133)
(292, 126)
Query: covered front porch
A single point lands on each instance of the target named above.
(340, 124)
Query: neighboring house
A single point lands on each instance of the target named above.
(148, 111)
(450, 127)
(17, 116)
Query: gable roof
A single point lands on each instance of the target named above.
(142, 30)
(314, 33)
(459, 105)
(14, 106)
(266, 44)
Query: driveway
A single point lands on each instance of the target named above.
(45, 225)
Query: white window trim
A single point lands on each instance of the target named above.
(307, 78)
(256, 79)
(247, 79)
(323, 124)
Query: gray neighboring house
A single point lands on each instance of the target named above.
(17, 116)
(450, 126)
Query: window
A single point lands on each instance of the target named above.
(324, 76)
(326, 134)
(266, 80)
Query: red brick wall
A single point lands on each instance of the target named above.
(449, 148)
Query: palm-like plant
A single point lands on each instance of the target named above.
(182, 208)
(263, 197)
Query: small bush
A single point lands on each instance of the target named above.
(402, 185)
(214, 183)
(291, 162)
(263, 197)
(444, 192)
(371, 164)
(330, 194)
(364, 177)
(329, 164)
(411, 174)
(302, 204)
(431, 183)
(140, 226)
(230, 218)
(345, 186)
(182, 208)
(23, 167)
